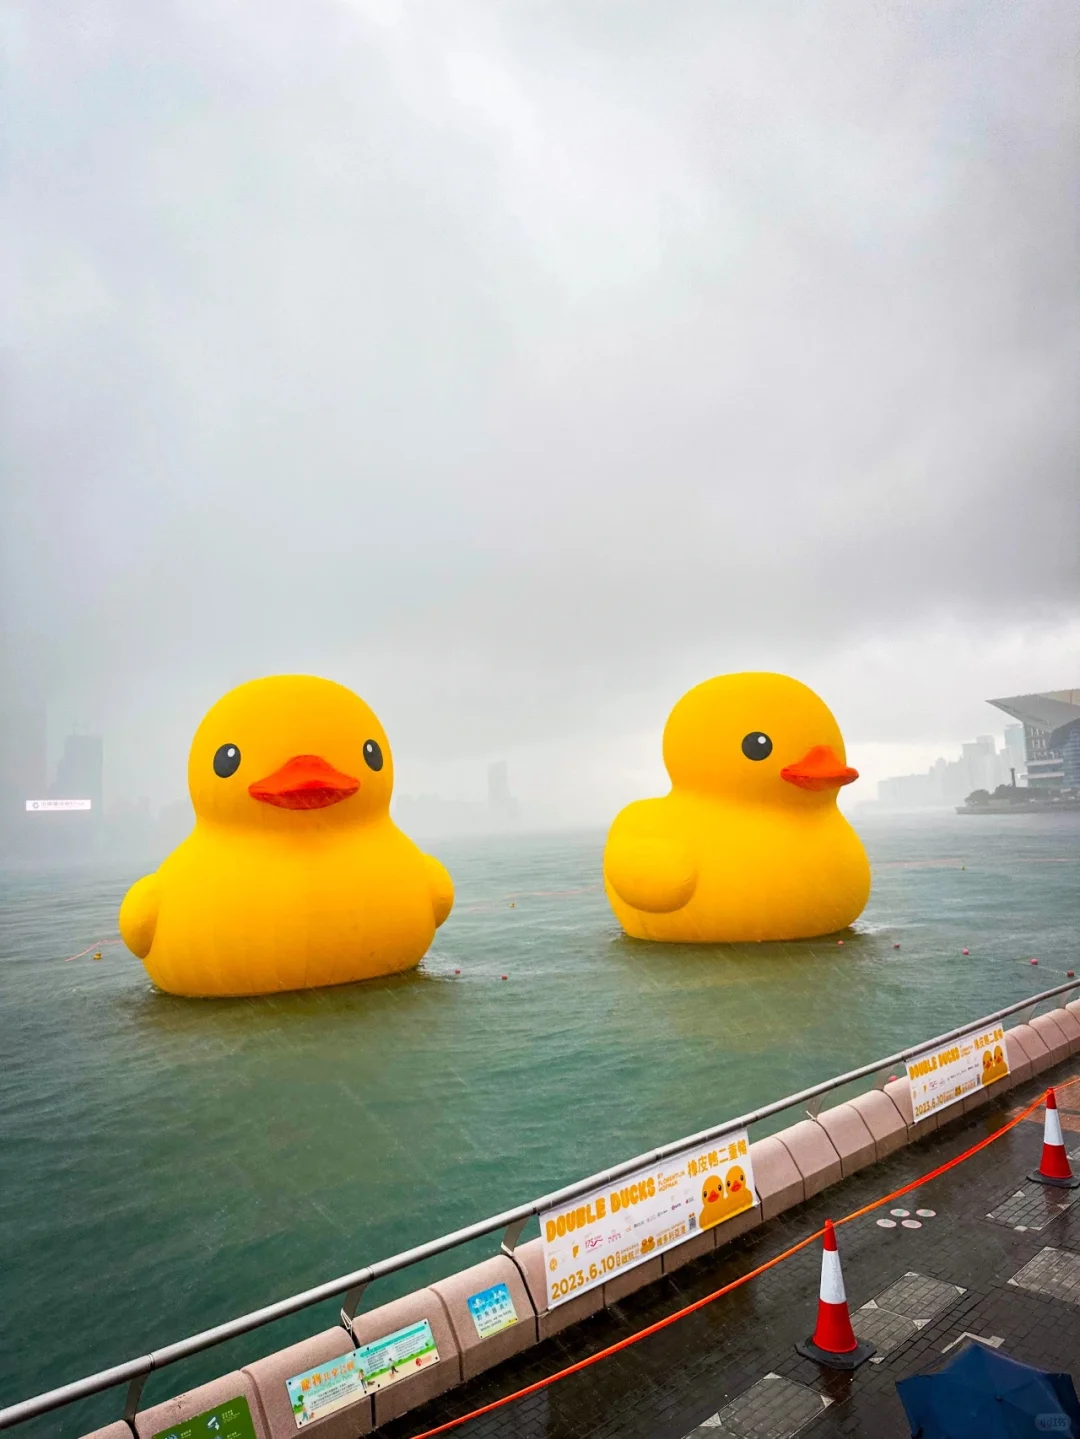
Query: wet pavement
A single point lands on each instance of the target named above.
(993, 1257)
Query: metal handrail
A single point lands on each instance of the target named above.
(138, 1369)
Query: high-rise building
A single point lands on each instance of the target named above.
(430, 816)
(1015, 751)
(981, 760)
(79, 773)
(1044, 717)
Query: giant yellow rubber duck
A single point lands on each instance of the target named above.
(295, 875)
(749, 844)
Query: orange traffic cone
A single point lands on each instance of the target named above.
(833, 1343)
(1054, 1167)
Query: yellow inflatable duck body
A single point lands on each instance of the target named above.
(295, 876)
(993, 1065)
(737, 1193)
(713, 1204)
(749, 844)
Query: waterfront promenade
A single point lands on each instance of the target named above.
(495, 1084)
(692, 1332)
(708, 1375)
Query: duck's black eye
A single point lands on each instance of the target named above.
(372, 755)
(226, 761)
(757, 745)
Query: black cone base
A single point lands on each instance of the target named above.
(859, 1355)
(1037, 1178)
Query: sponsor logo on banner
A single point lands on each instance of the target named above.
(943, 1076)
(633, 1219)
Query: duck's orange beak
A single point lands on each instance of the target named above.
(819, 768)
(304, 782)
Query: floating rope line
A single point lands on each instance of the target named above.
(93, 948)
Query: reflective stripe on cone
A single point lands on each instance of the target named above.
(832, 1276)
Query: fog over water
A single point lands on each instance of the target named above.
(520, 366)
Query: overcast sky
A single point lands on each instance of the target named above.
(521, 364)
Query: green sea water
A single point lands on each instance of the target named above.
(166, 1164)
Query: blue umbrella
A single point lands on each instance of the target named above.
(982, 1394)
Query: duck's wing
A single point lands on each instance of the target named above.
(138, 915)
(649, 871)
(441, 888)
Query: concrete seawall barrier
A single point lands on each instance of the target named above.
(481, 1316)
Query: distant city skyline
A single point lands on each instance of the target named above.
(135, 823)
(120, 824)
(1040, 752)
(980, 765)
(431, 815)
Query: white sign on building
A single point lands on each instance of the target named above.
(34, 806)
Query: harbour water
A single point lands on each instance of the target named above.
(168, 1163)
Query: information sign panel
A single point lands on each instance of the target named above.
(329, 1386)
(231, 1420)
(384, 1361)
(492, 1310)
(944, 1075)
(622, 1224)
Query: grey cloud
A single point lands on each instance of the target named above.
(511, 362)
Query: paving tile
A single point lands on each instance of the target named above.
(773, 1408)
(1033, 1208)
(885, 1330)
(918, 1297)
(1055, 1272)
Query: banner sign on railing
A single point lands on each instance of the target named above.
(632, 1219)
(943, 1076)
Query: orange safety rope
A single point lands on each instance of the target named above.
(736, 1283)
